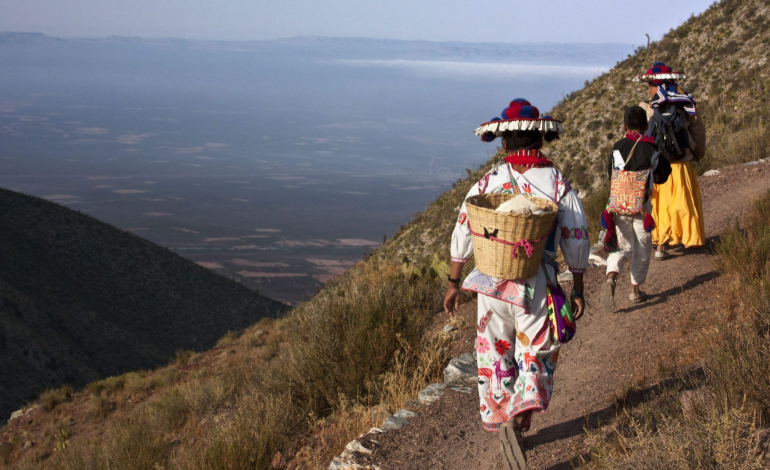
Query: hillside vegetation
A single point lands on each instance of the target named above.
(725, 51)
(721, 421)
(81, 300)
(305, 385)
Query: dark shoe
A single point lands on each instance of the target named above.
(514, 457)
(608, 295)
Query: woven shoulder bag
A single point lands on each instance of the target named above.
(628, 189)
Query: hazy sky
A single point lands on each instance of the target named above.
(439, 20)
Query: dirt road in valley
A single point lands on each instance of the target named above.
(609, 352)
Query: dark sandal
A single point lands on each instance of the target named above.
(513, 452)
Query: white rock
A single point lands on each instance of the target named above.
(340, 464)
(16, 414)
(461, 370)
(462, 389)
(376, 431)
(406, 414)
(431, 393)
(449, 328)
(355, 446)
(393, 422)
(566, 276)
(596, 260)
(712, 173)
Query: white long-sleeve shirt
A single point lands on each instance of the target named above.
(571, 233)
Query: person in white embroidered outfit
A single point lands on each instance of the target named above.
(516, 351)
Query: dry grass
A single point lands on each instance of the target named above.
(722, 427)
(357, 345)
(50, 398)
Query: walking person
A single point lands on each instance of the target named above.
(516, 350)
(628, 223)
(680, 137)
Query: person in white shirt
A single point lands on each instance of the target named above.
(516, 350)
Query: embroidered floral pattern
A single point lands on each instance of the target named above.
(501, 346)
(482, 345)
(575, 233)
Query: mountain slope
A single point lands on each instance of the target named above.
(724, 51)
(80, 300)
(335, 357)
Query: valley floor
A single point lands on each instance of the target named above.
(611, 352)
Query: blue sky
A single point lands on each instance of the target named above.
(442, 20)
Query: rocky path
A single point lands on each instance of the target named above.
(612, 350)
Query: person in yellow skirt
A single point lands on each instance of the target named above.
(680, 137)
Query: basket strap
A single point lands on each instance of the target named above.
(514, 185)
(524, 243)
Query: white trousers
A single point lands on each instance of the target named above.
(516, 356)
(633, 242)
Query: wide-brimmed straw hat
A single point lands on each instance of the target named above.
(520, 115)
(660, 72)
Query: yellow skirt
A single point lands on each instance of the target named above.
(677, 209)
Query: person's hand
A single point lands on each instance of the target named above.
(452, 299)
(578, 305)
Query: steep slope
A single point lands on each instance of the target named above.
(638, 346)
(724, 51)
(80, 300)
(335, 357)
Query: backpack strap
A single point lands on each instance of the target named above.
(631, 153)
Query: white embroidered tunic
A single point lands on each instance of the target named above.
(571, 233)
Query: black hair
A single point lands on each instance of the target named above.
(635, 119)
(517, 140)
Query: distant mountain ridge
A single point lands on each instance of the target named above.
(81, 300)
(588, 53)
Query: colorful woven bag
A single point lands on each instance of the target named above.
(627, 189)
(559, 311)
(560, 315)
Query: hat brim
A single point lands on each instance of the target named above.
(520, 124)
(646, 77)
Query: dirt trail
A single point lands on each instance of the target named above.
(609, 351)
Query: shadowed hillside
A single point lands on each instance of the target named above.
(80, 300)
(292, 393)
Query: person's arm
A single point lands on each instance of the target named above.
(461, 250)
(452, 297)
(576, 298)
(698, 134)
(662, 170)
(575, 245)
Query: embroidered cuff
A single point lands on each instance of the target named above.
(460, 260)
(577, 271)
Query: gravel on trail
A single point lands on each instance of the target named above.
(611, 351)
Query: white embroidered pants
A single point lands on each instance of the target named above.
(633, 242)
(516, 357)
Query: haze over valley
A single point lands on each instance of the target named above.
(277, 163)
